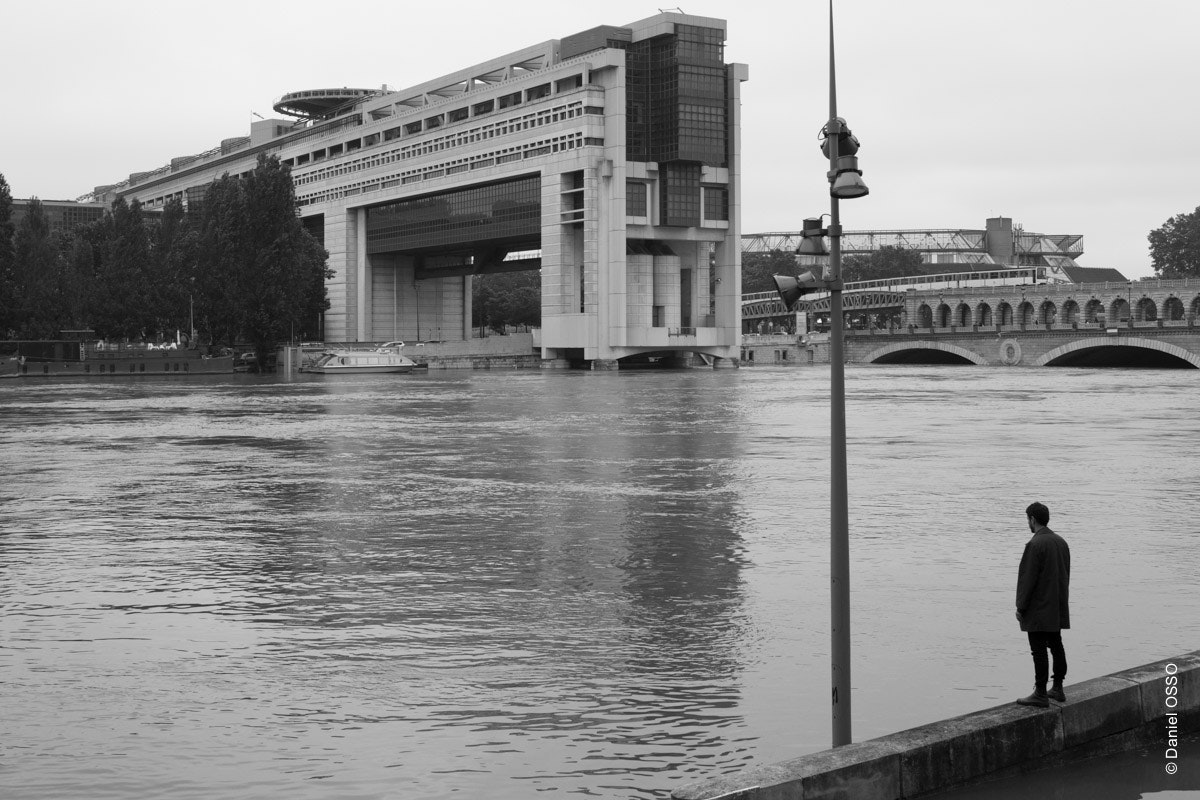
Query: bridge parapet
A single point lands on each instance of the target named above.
(1109, 303)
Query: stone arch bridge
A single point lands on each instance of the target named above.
(1149, 323)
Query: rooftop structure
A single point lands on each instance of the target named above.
(608, 159)
(999, 244)
(320, 103)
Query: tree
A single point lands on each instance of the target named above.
(122, 304)
(757, 269)
(886, 262)
(1175, 247)
(174, 246)
(506, 298)
(7, 277)
(258, 275)
(32, 303)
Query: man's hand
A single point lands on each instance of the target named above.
(1018, 613)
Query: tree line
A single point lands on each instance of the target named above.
(240, 267)
(886, 262)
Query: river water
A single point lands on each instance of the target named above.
(509, 583)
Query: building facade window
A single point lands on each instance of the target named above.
(636, 204)
(716, 203)
(500, 211)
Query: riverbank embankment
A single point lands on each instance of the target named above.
(1155, 703)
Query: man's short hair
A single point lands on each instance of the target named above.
(1039, 512)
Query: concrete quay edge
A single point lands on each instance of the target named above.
(1104, 714)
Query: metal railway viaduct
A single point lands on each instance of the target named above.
(1144, 323)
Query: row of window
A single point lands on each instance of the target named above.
(715, 198)
(451, 142)
(559, 113)
(479, 161)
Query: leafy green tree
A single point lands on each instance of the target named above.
(32, 306)
(886, 262)
(219, 258)
(170, 284)
(1175, 247)
(287, 262)
(6, 226)
(76, 278)
(257, 274)
(758, 268)
(506, 298)
(122, 304)
(7, 277)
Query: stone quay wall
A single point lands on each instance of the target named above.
(1153, 704)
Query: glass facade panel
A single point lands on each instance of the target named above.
(676, 113)
(509, 210)
(635, 199)
(716, 203)
(680, 195)
(676, 97)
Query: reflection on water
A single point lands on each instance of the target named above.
(605, 584)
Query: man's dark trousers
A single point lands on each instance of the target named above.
(1039, 643)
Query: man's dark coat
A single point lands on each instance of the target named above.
(1042, 582)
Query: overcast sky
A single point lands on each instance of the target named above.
(1069, 116)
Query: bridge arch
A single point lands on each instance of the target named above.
(1172, 309)
(1093, 311)
(1147, 310)
(1101, 342)
(1070, 312)
(983, 315)
(1025, 313)
(1049, 312)
(894, 352)
(1118, 311)
(943, 316)
(1004, 313)
(1196, 306)
(962, 316)
(924, 316)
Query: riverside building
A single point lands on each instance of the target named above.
(608, 160)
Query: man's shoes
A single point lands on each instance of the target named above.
(1055, 692)
(1038, 699)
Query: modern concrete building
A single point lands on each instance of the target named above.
(63, 215)
(607, 159)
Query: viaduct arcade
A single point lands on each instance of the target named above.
(1145, 323)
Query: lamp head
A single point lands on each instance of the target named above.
(847, 142)
(847, 179)
(812, 242)
(792, 289)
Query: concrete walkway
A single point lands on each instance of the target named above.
(1138, 706)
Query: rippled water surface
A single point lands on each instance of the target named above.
(504, 584)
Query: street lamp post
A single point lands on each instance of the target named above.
(839, 518)
(845, 179)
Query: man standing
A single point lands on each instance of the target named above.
(1042, 583)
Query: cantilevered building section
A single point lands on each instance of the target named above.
(607, 159)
